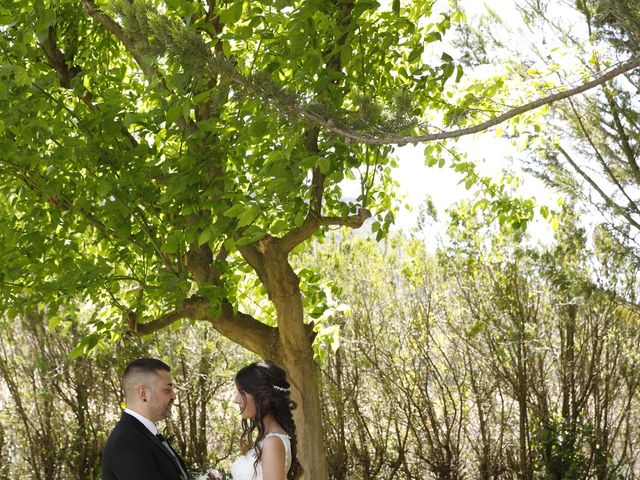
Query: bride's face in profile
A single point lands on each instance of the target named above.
(246, 403)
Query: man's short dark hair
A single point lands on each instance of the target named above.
(145, 365)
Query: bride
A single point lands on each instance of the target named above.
(264, 399)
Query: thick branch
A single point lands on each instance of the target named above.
(317, 183)
(253, 257)
(312, 223)
(239, 327)
(354, 221)
(58, 60)
(358, 136)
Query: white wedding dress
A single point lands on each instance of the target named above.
(242, 468)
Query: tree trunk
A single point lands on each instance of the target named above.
(303, 374)
(296, 356)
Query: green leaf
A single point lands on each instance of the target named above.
(360, 7)
(22, 78)
(205, 236)
(173, 113)
(324, 164)
(46, 18)
(297, 45)
(104, 187)
(202, 97)
(314, 60)
(53, 322)
(171, 244)
(299, 219)
(230, 245)
(252, 234)
(544, 211)
(5, 17)
(432, 37)
(233, 13)
(235, 211)
(258, 127)
(248, 216)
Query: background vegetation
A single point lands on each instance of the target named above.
(487, 359)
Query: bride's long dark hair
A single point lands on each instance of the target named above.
(267, 382)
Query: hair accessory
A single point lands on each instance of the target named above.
(282, 389)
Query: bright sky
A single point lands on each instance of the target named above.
(492, 154)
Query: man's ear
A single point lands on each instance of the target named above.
(142, 393)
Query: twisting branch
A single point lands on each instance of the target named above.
(311, 224)
(190, 308)
(288, 104)
(350, 135)
(353, 221)
(65, 72)
(237, 326)
(353, 135)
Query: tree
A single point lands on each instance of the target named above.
(596, 157)
(586, 147)
(136, 173)
(167, 157)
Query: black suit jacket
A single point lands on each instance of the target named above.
(132, 452)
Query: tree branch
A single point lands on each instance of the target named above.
(354, 221)
(94, 12)
(601, 159)
(358, 136)
(622, 135)
(311, 224)
(289, 104)
(58, 60)
(608, 200)
(239, 327)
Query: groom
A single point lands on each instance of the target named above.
(135, 450)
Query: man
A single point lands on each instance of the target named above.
(134, 451)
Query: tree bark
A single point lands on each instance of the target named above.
(296, 355)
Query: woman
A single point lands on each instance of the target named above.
(264, 398)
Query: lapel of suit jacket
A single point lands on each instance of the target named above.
(131, 420)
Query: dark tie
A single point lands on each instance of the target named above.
(163, 440)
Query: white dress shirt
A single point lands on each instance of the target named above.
(144, 420)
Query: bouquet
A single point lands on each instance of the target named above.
(212, 474)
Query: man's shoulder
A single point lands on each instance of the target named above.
(128, 427)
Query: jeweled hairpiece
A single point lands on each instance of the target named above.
(282, 389)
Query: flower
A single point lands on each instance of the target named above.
(212, 474)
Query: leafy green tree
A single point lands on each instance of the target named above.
(167, 157)
(151, 160)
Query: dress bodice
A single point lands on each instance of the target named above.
(243, 467)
